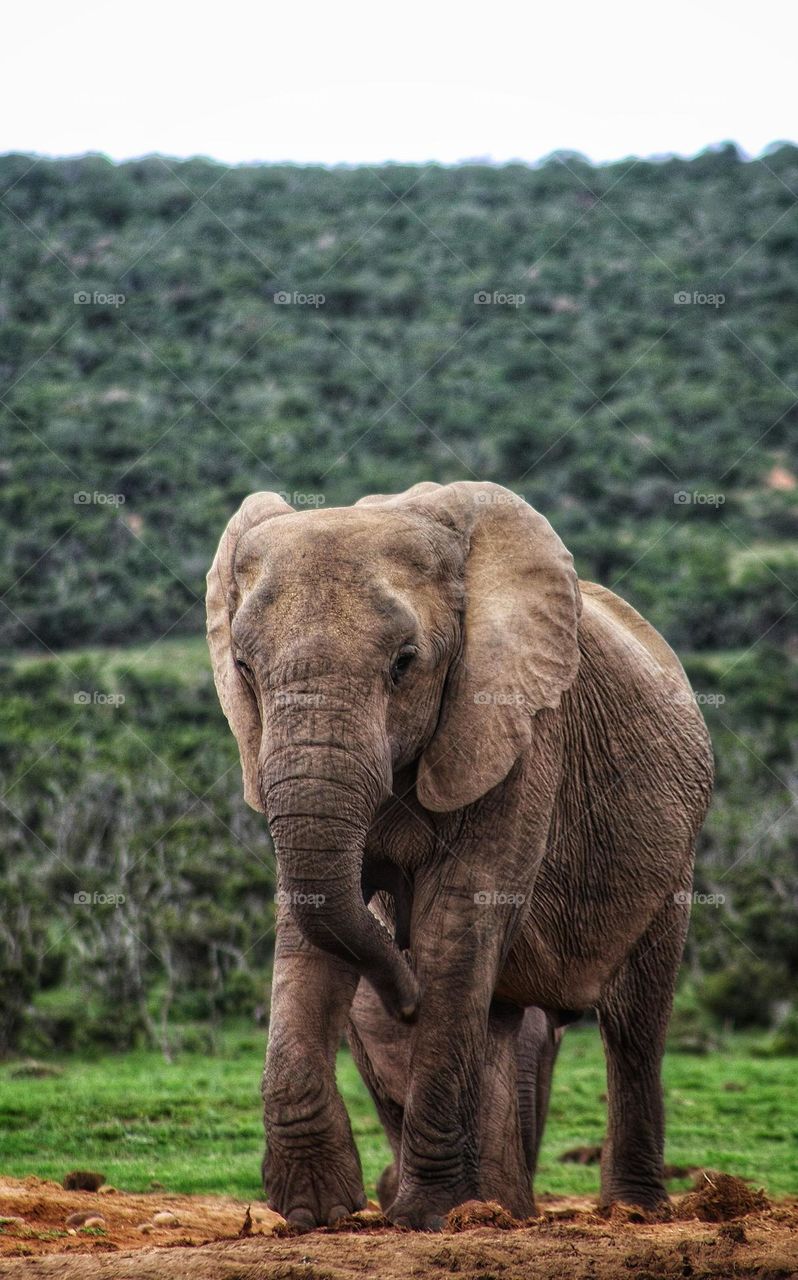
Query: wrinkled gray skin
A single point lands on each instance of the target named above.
(509, 766)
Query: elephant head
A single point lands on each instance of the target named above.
(425, 629)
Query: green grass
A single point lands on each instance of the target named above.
(194, 1125)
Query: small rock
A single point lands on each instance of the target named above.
(106, 1190)
(94, 1221)
(367, 1219)
(71, 1231)
(77, 1219)
(165, 1219)
(145, 1228)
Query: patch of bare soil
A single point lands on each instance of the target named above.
(211, 1238)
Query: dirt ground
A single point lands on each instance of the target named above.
(723, 1229)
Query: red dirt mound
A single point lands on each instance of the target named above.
(718, 1197)
(480, 1213)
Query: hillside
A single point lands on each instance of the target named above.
(598, 396)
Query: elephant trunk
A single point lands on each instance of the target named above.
(320, 799)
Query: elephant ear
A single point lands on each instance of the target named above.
(221, 600)
(520, 651)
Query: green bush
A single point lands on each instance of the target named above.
(741, 995)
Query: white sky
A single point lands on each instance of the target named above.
(363, 81)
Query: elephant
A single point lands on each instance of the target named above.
(484, 780)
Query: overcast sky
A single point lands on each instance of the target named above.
(353, 82)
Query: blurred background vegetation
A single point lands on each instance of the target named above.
(657, 435)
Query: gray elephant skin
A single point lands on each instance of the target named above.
(484, 780)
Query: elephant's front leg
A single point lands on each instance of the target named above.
(456, 950)
(311, 1169)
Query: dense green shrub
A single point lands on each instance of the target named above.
(599, 397)
(137, 880)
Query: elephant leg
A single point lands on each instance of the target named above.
(522, 1050)
(381, 1052)
(633, 1016)
(503, 1171)
(381, 1049)
(458, 944)
(311, 1169)
(538, 1046)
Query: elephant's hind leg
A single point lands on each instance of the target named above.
(538, 1046)
(520, 1053)
(504, 1175)
(522, 1050)
(633, 1016)
(381, 1047)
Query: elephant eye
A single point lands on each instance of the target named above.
(402, 661)
(243, 668)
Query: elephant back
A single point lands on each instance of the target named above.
(621, 614)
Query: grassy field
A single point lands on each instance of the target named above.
(194, 1125)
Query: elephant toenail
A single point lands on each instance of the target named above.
(302, 1219)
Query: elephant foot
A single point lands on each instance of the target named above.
(653, 1201)
(519, 1204)
(387, 1186)
(417, 1218)
(315, 1192)
(512, 1192)
(420, 1211)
